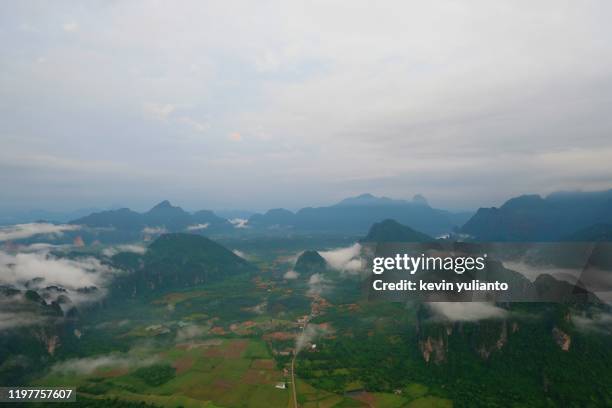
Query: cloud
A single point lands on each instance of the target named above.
(43, 246)
(235, 137)
(241, 254)
(158, 111)
(239, 222)
(71, 274)
(70, 27)
(198, 227)
(317, 285)
(308, 335)
(599, 323)
(12, 320)
(21, 231)
(135, 248)
(345, 259)
(200, 127)
(291, 275)
(154, 230)
(190, 332)
(466, 311)
(459, 75)
(89, 365)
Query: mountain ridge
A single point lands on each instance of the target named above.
(535, 218)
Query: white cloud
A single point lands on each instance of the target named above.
(467, 311)
(89, 365)
(239, 222)
(235, 137)
(241, 254)
(71, 274)
(317, 285)
(190, 332)
(600, 323)
(41, 246)
(21, 231)
(154, 230)
(345, 259)
(11, 320)
(158, 111)
(291, 275)
(200, 127)
(71, 26)
(198, 227)
(308, 335)
(135, 248)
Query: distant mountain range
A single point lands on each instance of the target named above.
(164, 217)
(532, 218)
(350, 216)
(562, 216)
(357, 214)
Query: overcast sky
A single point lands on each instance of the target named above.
(261, 104)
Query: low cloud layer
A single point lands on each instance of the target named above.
(308, 335)
(38, 270)
(466, 311)
(135, 248)
(22, 231)
(89, 365)
(317, 285)
(599, 323)
(239, 222)
(154, 230)
(11, 320)
(291, 275)
(198, 227)
(190, 332)
(345, 259)
(241, 254)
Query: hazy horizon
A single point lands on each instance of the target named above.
(265, 105)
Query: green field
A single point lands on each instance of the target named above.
(236, 372)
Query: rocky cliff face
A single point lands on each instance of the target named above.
(435, 337)
(485, 350)
(563, 340)
(433, 349)
(50, 340)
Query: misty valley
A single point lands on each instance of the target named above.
(173, 308)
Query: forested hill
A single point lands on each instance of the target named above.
(531, 218)
(175, 261)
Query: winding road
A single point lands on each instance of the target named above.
(295, 404)
(295, 353)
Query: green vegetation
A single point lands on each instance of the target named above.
(393, 231)
(310, 262)
(156, 374)
(194, 325)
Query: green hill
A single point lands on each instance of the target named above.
(310, 262)
(176, 261)
(393, 231)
